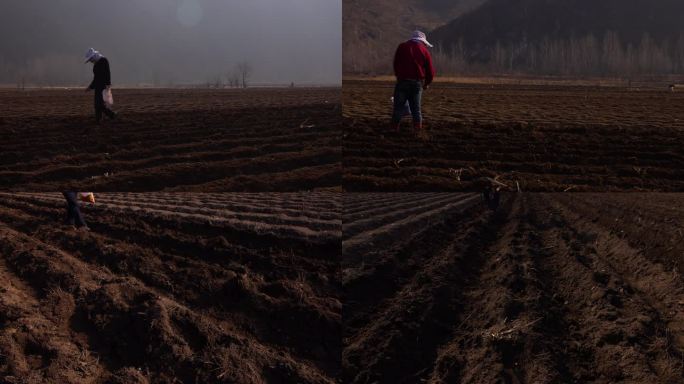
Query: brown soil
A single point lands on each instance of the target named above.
(168, 288)
(196, 140)
(546, 138)
(552, 288)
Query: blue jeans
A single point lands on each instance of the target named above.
(411, 91)
(74, 216)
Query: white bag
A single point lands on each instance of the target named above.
(87, 197)
(107, 97)
(407, 107)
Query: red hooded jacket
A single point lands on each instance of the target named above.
(413, 61)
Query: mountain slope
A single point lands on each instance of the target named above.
(519, 32)
(372, 29)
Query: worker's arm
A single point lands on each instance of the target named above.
(396, 61)
(92, 83)
(429, 69)
(107, 74)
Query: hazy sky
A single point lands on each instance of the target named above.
(180, 41)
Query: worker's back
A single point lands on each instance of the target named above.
(102, 74)
(412, 61)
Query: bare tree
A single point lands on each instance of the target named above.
(218, 82)
(592, 55)
(244, 68)
(155, 79)
(233, 78)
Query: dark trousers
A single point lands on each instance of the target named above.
(492, 198)
(100, 106)
(74, 216)
(411, 91)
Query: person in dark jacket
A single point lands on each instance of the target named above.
(414, 71)
(492, 197)
(74, 216)
(101, 81)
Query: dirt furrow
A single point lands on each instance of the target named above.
(248, 234)
(387, 232)
(130, 326)
(204, 287)
(375, 200)
(35, 339)
(319, 203)
(194, 139)
(393, 214)
(617, 337)
(351, 219)
(559, 288)
(399, 342)
(542, 138)
(503, 316)
(219, 212)
(150, 310)
(317, 178)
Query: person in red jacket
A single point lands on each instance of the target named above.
(414, 72)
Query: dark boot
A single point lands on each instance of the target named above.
(395, 126)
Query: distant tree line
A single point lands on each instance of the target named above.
(587, 56)
(367, 57)
(51, 70)
(63, 70)
(237, 77)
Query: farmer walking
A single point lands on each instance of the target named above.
(74, 216)
(492, 197)
(414, 72)
(101, 81)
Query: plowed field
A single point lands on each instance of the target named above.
(186, 140)
(551, 288)
(546, 138)
(168, 288)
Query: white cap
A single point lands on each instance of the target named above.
(420, 36)
(92, 54)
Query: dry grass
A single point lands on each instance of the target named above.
(524, 80)
(509, 331)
